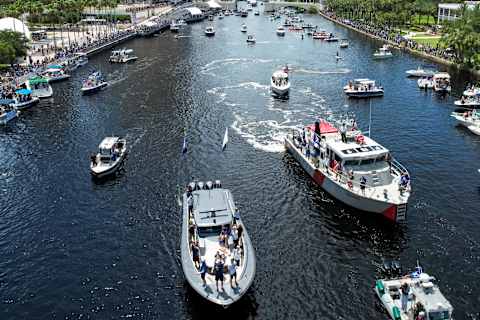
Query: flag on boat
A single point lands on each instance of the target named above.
(225, 139)
(184, 148)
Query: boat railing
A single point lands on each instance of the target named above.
(343, 179)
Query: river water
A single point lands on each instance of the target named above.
(74, 248)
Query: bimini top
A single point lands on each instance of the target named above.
(280, 75)
(325, 127)
(23, 92)
(6, 101)
(37, 80)
(108, 142)
(351, 150)
(441, 75)
(212, 207)
(213, 5)
(194, 11)
(55, 66)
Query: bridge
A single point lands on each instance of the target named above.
(272, 5)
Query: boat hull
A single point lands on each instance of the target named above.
(385, 209)
(8, 116)
(364, 94)
(474, 129)
(26, 105)
(59, 78)
(86, 91)
(111, 170)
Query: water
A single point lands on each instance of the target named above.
(73, 248)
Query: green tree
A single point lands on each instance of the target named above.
(12, 45)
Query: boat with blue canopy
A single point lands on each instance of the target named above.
(24, 99)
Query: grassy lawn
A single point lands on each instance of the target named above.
(424, 20)
(431, 41)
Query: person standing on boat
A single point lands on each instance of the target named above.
(203, 271)
(363, 184)
(343, 132)
(219, 272)
(405, 291)
(232, 271)
(196, 254)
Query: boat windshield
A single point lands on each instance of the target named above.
(213, 231)
(438, 315)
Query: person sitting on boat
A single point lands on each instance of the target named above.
(404, 182)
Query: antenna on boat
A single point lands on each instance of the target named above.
(370, 119)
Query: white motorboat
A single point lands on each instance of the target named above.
(94, 83)
(209, 31)
(243, 28)
(257, 13)
(77, 60)
(249, 7)
(215, 244)
(363, 88)
(441, 82)
(174, 26)
(40, 87)
(122, 56)
(7, 111)
(467, 118)
(331, 38)
(472, 91)
(383, 53)
(475, 129)
(412, 297)
(251, 39)
(352, 168)
(419, 73)
(24, 99)
(220, 16)
(468, 101)
(253, 3)
(281, 31)
(280, 84)
(425, 83)
(55, 73)
(112, 152)
(343, 44)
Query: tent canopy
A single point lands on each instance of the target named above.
(194, 11)
(212, 4)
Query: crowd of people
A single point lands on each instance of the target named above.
(389, 34)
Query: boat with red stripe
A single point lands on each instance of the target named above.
(352, 167)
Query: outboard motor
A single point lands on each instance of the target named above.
(218, 184)
(200, 185)
(192, 186)
(209, 185)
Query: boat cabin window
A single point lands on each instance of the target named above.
(212, 231)
(367, 161)
(438, 315)
(351, 163)
(105, 152)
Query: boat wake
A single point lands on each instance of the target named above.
(263, 121)
(313, 71)
(210, 67)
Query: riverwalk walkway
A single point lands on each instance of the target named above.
(396, 45)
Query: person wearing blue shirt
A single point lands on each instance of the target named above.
(232, 271)
(203, 271)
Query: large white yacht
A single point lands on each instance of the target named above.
(413, 296)
(111, 153)
(363, 88)
(215, 243)
(354, 168)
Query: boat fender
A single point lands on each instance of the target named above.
(380, 287)
(396, 313)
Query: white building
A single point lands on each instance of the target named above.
(451, 11)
